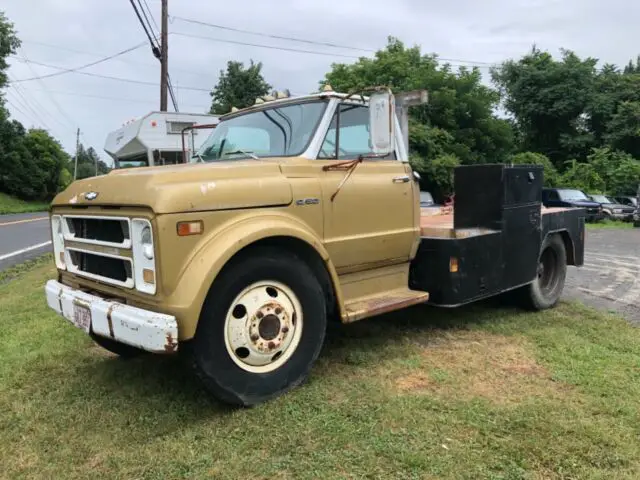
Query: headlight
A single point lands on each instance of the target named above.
(143, 255)
(147, 242)
(57, 238)
(617, 210)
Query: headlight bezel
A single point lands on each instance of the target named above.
(144, 258)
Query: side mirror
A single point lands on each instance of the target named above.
(382, 123)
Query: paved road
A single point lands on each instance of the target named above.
(610, 278)
(22, 237)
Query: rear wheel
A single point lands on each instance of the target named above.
(544, 292)
(261, 328)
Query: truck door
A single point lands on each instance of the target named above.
(369, 219)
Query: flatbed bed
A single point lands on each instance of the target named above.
(493, 240)
(439, 224)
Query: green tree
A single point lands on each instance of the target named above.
(437, 174)
(548, 99)
(582, 176)
(9, 43)
(458, 119)
(238, 87)
(530, 158)
(619, 171)
(88, 158)
(32, 164)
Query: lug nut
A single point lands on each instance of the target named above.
(285, 329)
(255, 337)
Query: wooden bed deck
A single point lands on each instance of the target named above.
(435, 223)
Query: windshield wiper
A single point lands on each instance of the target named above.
(248, 154)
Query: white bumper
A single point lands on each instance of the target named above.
(154, 332)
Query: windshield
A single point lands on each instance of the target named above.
(602, 199)
(572, 195)
(272, 132)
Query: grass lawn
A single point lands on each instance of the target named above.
(481, 392)
(10, 204)
(610, 224)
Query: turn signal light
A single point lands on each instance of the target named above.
(190, 228)
(453, 264)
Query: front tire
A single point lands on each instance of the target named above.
(545, 291)
(261, 328)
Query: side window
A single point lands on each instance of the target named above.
(553, 195)
(351, 139)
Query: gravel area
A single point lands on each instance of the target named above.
(610, 277)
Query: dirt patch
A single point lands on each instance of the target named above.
(477, 364)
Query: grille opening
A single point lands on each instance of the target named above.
(111, 268)
(104, 230)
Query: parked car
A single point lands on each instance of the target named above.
(612, 209)
(571, 197)
(628, 200)
(427, 204)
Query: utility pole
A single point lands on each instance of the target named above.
(75, 168)
(164, 56)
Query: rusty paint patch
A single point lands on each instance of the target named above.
(384, 304)
(109, 321)
(171, 344)
(60, 300)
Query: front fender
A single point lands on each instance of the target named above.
(204, 265)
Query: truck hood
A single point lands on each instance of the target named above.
(184, 188)
(584, 203)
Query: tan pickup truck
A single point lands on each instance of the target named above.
(295, 212)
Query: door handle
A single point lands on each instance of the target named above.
(401, 179)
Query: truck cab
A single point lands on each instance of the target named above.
(294, 212)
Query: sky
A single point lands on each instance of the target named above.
(70, 33)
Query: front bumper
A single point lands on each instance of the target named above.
(150, 331)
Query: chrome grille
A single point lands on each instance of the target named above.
(106, 231)
(111, 265)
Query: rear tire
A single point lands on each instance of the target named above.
(545, 291)
(120, 349)
(261, 328)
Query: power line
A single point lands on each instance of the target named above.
(120, 59)
(109, 77)
(76, 69)
(146, 18)
(268, 35)
(104, 97)
(154, 47)
(53, 100)
(151, 14)
(19, 98)
(308, 41)
(263, 46)
(19, 110)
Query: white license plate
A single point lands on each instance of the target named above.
(81, 317)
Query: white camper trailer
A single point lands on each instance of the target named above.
(156, 139)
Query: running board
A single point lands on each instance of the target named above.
(386, 302)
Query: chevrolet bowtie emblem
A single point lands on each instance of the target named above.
(91, 195)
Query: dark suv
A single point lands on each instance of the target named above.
(571, 197)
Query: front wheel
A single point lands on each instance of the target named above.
(546, 289)
(261, 328)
